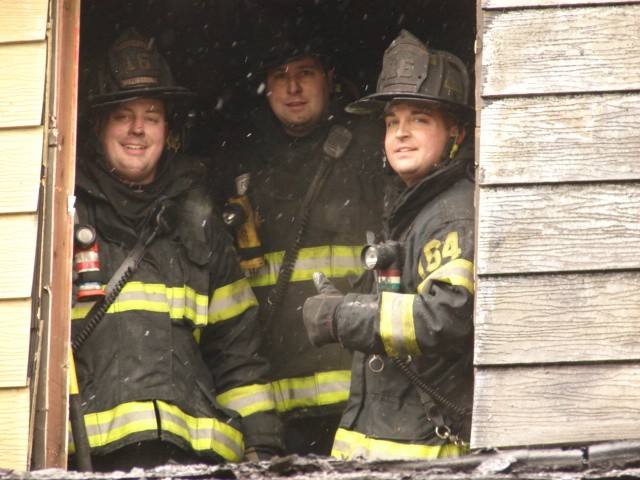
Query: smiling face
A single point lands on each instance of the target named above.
(416, 138)
(133, 139)
(298, 93)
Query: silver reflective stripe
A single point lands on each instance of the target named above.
(231, 300)
(349, 445)
(397, 328)
(248, 400)
(202, 434)
(323, 388)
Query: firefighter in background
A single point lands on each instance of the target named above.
(171, 372)
(412, 377)
(316, 186)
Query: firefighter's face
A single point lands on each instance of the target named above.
(298, 93)
(133, 139)
(416, 138)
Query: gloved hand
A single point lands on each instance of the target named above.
(318, 312)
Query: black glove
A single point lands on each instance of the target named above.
(318, 312)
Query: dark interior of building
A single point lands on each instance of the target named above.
(213, 46)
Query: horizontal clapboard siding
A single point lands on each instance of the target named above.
(558, 318)
(14, 434)
(23, 57)
(23, 20)
(554, 228)
(570, 138)
(22, 76)
(14, 338)
(20, 169)
(558, 226)
(502, 4)
(544, 405)
(561, 50)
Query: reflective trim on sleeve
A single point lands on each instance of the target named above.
(397, 330)
(203, 434)
(333, 261)
(323, 388)
(231, 300)
(249, 399)
(457, 272)
(349, 445)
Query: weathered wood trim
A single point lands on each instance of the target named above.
(20, 167)
(555, 50)
(506, 4)
(14, 428)
(22, 68)
(558, 228)
(556, 405)
(557, 318)
(51, 404)
(23, 21)
(17, 255)
(14, 338)
(574, 138)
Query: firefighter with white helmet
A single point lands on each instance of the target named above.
(412, 376)
(167, 361)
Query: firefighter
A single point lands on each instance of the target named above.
(170, 373)
(285, 157)
(412, 377)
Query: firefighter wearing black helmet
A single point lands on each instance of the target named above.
(170, 372)
(285, 154)
(412, 377)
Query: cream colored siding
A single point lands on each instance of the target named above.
(23, 53)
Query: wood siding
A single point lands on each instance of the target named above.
(23, 53)
(558, 229)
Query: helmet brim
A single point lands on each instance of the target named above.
(375, 104)
(176, 95)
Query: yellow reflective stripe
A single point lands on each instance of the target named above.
(202, 433)
(323, 388)
(349, 445)
(179, 302)
(337, 261)
(231, 300)
(125, 419)
(397, 329)
(196, 306)
(249, 399)
(457, 272)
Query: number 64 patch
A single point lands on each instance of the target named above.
(435, 251)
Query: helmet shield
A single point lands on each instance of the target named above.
(412, 71)
(133, 68)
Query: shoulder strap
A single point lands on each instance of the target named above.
(334, 147)
(162, 214)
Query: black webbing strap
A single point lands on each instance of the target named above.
(334, 147)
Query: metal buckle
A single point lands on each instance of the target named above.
(371, 364)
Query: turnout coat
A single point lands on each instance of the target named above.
(428, 321)
(175, 357)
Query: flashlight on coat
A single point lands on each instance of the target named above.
(87, 263)
(386, 260)
(238, 215)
